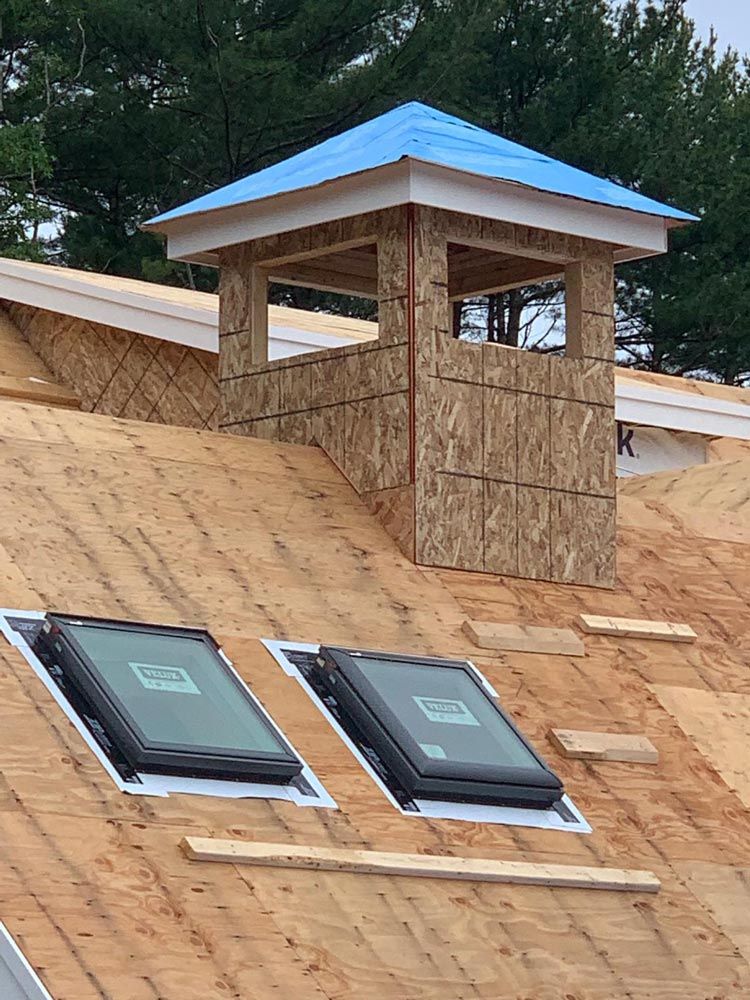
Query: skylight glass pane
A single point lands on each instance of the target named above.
(175, 690)
(446, 713)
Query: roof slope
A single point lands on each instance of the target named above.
(253, 538)
(422, 133)
(23, 374)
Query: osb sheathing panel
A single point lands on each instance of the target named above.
(353, 401)
(23, 374)
(255, 538)
(123, 374)
(534, 432)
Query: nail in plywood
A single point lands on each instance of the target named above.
(636, 628)
(419, 865)
(524, 638)
(604, 746)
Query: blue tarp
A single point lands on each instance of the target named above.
(423, 133)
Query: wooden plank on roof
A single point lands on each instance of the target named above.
(636, 628)
(524, 638)
(37, 390)
(419, 865)
(604, 746)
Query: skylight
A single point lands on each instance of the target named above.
(163, 700)
(434, 729)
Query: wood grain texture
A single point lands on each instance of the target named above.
(640, 628)
(718, 723)
(725, 892)
(580, 745)
(524, 638)
(254, 538)
(416, 865)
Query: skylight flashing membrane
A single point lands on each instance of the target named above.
(20, 626)
(295, 658)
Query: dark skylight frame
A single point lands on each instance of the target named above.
(416, 770)
(120, 727)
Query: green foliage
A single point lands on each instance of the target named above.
(113, 111)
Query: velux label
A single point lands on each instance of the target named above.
(158, 678)
(447, 710)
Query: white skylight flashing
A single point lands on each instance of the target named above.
(545, 819)
(163, 785)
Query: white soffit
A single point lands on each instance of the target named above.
(196, 237)
(651, 406)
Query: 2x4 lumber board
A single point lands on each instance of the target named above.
(524, 638)
(498, 276)
(344, 273)
(37, 390)
(627, 747)
(636, 628)
(422, 866)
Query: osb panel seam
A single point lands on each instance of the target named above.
(314, 409)
(311, 357)
(570, 398)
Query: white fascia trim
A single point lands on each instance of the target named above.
(164, 785)
(196, 237)
(650, 406)
(18, 966)
(442, 187)
(542, 819)
(56, 290)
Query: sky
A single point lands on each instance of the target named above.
(730, 18)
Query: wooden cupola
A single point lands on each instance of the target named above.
(474, 456)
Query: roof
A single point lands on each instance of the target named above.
(257, 539)
(423, 133)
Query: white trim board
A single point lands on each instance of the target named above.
(197, 237)
(30, 985)
(192, 324)
(62, 291)
(651, 406)
(163, 785)
(544, 819)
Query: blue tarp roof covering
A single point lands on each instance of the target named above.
(423, 133)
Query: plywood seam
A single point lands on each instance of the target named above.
(527, 392)
(314, 409)
(517, 482)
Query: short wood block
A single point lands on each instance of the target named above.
(420, 865)
(524, 638)
(636, 628)
(604, 746)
